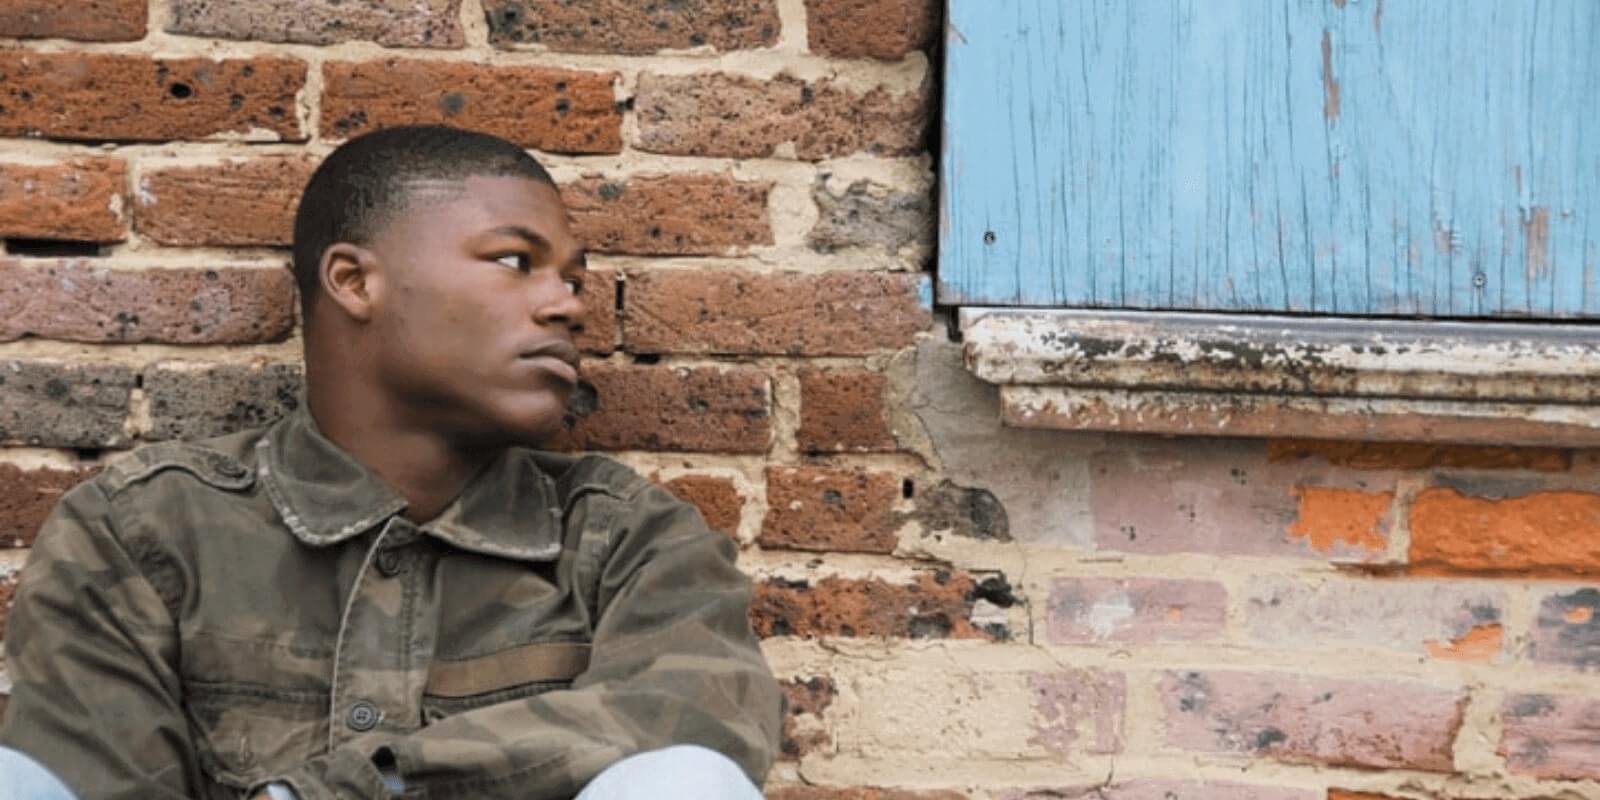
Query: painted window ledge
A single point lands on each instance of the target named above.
(1228, 375)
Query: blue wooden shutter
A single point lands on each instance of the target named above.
(1364, 157)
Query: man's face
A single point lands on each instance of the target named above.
(478, 302)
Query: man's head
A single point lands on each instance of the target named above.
(439, 280)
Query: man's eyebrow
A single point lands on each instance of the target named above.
(524, 233)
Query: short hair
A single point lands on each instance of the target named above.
(368, 181)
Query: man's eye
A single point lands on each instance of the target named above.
(574, 285)
(516, 261)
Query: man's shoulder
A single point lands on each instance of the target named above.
(225, 463)
(581, 473)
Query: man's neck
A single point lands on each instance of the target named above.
(422, 466)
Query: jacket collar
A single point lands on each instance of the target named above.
(325, 496)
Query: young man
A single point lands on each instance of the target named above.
(386, 592)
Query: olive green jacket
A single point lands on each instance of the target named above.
(201, 619)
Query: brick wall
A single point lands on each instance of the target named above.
(957, 609)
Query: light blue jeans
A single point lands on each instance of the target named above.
(673, 773)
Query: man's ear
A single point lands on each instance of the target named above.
(349, 278)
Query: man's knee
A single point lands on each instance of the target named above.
(22, 778)
(680, 771)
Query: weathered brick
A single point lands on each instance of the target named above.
(1419, 455)
(1079, 711)
(881, 29)
(28, 494)
(948, 509)
(601, 327)
(8, 589)
(1166, 790)
(836, 313)
(857, 793)
(844, 410)
(805, 701)
(669, 215)
(867, 214)
(1226, 498)
(630, 27)
(1553, 533)
(717, 114)
(237, 203)
(1334, 520)
(1552, 736)
(935, 605)
(1340, 794)
(102, 96)
(1135, 610)
(82, 302)
(1567, 630)
(701, 410)
(194, 403)
(1454, 621)
(718, 500)
(84, 20)
(80, 200)
(420, 23)
(839, 510)
(556, 110)
(1349, 723)
(45, 404)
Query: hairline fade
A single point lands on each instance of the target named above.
(364, 184)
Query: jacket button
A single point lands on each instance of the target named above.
(390, 563)
(363, 717)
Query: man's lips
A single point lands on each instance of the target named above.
(557, 356)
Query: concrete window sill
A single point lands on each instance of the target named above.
(1223, 375)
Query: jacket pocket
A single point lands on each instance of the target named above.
(511, 674)
(245, 733)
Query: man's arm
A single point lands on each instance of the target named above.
(91, 650)
(673, 661)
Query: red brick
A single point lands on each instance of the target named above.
(836, 313)
(816, 508)
(1567, 629)
(556, 110)
(844, 410)
(804, 707)
(1443, 619)
(857, 793)
(1333, 520)
(882, 29)
(1079, 704)
(79, 200)
(429, 23)
(669, 215)
(601, 327)
(83, 20)
(81, 302)
(717, 499)
(717, 114)
(699, 409)
(1167, 790)
(631, 27)
(1545, 533)
(28, 495)
(935, 605)
(196, 403)
(1552, 736)
(1135, 610)
(1419, 455)
(95, 96)
(237, 203)
(49, 404)
(1344, 723)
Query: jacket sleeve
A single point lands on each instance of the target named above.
(673, 661)
(91, 649)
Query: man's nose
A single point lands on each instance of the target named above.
(555, 303)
